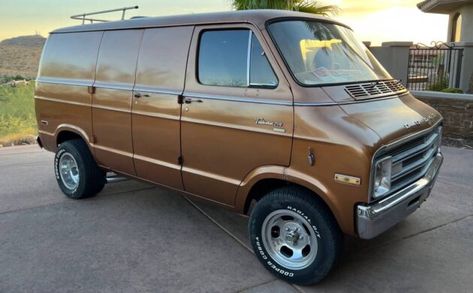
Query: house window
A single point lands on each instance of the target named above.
(457, 28)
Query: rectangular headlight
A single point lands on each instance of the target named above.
(382, 177)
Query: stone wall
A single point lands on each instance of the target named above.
(457, 111)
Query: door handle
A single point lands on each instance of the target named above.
(139, 95)
(190, 100)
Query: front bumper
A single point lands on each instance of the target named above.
(374, 219)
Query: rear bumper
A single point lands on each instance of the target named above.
(372, 220)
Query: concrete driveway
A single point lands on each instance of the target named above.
(135, 237)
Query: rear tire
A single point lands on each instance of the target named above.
(77, 173)
(295, 236)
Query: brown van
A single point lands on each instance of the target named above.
(283, 116)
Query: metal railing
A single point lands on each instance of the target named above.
(434, 67)
(85, 16)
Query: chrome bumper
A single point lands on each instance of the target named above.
(374, 219)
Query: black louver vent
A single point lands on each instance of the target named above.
(375, 89)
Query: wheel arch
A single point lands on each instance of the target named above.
(261, 183)
(67, 132)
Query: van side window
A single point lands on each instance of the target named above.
(233, 58)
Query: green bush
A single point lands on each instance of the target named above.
(17, 114)
(439, 85)
(452, 90)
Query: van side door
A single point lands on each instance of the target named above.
(156, 111)
(111, 103)
(237, 114)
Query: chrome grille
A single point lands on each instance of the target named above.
(412, 159)
(375, 89)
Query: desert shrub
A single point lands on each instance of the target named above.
(8, 78)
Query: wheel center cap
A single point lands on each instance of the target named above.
(292, 235)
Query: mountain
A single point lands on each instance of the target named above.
(25, 41)
(20, 55)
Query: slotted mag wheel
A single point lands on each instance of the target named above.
(289, 239)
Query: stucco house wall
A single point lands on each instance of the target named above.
(467, 23)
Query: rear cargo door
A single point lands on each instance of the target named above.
(111, 103)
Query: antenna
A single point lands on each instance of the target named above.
(84, 16)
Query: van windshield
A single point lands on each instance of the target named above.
(320, 53)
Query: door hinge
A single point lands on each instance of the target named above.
(180, 160)
(180, 99)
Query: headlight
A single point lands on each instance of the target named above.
(382, 177)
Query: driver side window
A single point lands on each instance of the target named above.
(235, 58)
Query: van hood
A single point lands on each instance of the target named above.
(393, 118)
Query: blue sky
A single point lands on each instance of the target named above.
(373, 20)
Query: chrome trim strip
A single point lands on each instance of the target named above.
(46, 132)
(106, 85)
(113, 86)
(128, 87)
(157, 162)
(83, 104)
(311, 104)
(62, 101)
(156, 115)
(211, 176)
(94, 106)
(248, 58)
(238, 99)
(314, 104)
(65, 81)
(154, 90)
(112, 150)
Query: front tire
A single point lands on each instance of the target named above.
(77, 173)
(295, 236)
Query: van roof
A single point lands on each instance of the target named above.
(256, 17)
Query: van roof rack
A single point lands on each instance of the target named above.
(85, 16)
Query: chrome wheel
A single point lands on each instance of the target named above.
(289, 239)
(69, 171)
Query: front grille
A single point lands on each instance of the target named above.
(412, 159)
(375, 89)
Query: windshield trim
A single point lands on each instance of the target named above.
(288, 68)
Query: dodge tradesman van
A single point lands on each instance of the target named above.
(283, 116)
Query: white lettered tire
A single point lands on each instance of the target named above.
(77, 173)
(295, 236)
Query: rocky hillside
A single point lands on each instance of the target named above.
(20, 56)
